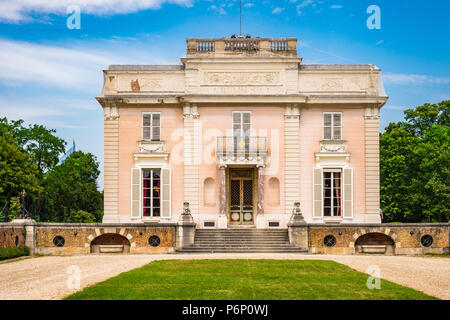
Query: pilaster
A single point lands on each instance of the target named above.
(291, 155)
(111, 162)
(192, 156)
(372, 162)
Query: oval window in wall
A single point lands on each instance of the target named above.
(209, 192)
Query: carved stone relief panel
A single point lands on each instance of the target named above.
(151, 83)
(248, 78)
(334, 83)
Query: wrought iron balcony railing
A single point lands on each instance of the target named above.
(241, 148)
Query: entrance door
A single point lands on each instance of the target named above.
(241, 197)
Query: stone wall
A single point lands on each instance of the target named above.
(78, 237)
(11, 236)
(68, 239)
(407, 238)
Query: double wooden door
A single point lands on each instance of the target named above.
(241, 197)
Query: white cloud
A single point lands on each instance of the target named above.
(76, 68)
(336, 6)
(395, 107)
(219, 10)
(57, 66)
(249, 5)
(16, 11)
(413, 79)
(277, 10)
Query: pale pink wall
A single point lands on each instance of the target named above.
(216, 121)
(130, 132)
(311, 132)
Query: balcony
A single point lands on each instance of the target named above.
(241, 150)
(238, 45)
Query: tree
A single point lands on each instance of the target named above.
(81, 216)
(431, 198)
(72, 186)
(17, 172)
(415, 164)
(39, 142)
(422, 118)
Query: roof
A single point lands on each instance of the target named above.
(146, 67)
(180, 67)
(338, 67)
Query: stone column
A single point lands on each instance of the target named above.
(223, 191)
(260, 209)
(29, 226)
(222, 221)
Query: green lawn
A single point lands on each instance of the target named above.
(243, 279)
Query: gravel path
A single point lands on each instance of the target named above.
(46, 277)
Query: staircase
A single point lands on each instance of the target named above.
(241, 241)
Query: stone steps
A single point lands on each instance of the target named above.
(241, 241)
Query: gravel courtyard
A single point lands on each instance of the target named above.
(47, 277)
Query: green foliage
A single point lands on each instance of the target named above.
(81, 216)
(415, 164)
(40, 143)
(72, 186)
(14, 208)
(17, 172)
(8, 253)
(29, 161)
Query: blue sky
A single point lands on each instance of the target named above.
(50, 74)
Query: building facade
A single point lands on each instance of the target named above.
(241, 130)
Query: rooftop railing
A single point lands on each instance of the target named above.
(226, 46)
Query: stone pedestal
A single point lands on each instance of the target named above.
(222, 222)
(261, 221)
(185, 229)
(298, 229)
(30, 232)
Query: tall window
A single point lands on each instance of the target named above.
(332, 125)
(332, 192)
(241, 130)
(151, 126)
(151, 192)
(242, 123)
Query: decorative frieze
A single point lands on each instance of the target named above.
(110, 112)
(241, 78)
(152, 146)
(332, 146)
(292, 111)
(372, 113)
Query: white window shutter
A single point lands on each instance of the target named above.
(317, 193)
(135, 193)
(348, 193)
(146, 126)
(166, 193)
